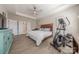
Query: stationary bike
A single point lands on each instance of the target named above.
(61, 38)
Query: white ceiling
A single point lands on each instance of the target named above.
(26, 10)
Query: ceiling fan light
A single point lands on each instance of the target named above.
(34, 12)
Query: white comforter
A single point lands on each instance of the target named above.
(39, 36)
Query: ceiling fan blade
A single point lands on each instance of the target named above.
(39, 10)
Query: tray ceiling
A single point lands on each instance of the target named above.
(26, 10)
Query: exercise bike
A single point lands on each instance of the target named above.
(61, 38)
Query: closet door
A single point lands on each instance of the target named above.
(12, 24)
(22, 27)
(29, 28)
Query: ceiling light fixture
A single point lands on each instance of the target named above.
(35, 10)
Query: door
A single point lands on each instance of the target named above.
(12, 24)
(22, 27)
(29, 26)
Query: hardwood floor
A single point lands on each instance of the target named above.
(23, 45)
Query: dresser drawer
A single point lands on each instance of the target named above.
(5, 46)
(5, 37)
(7, 41)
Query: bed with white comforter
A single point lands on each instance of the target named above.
(38, 36)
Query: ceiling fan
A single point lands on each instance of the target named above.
(36, 10)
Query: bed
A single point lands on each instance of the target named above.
(39, 35)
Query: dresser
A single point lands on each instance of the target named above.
(6, 38)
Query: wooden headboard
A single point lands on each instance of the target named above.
(47, 26)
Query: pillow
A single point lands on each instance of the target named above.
(46, 29)
(41, 29)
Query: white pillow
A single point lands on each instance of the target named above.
(47, 29)
(44, 29)
(40, 29)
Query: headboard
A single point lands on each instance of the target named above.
(47, 26)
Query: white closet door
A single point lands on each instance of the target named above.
(29, 27)
(22, 27)
(12, 24)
